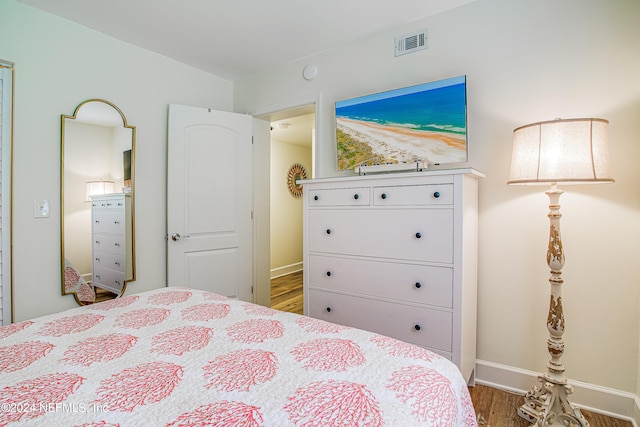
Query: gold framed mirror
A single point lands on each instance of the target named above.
(97, 181)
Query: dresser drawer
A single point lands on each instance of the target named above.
(421, 326)
(407, 282)
(108, 221)
(108, 202)
(108, 279)
(110, 243)
(413, 195)
(340, 197)
(112, 261)
(409, 234)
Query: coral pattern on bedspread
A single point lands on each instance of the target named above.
(184, 357)
(73, 282)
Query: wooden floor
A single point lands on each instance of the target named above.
(286, 293)
(497, 408)
(104, 295)
(494, 408)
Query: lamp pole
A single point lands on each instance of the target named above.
(548, 405)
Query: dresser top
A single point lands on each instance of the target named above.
(110, 196)
(403, 175)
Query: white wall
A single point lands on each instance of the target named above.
(286, 211)
(59, 64)
(525, 62)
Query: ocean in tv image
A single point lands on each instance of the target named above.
(427, 122)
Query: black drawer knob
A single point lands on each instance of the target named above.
(316, 198)
(418, 285)
(436, 194)
(356, 196)
(328, 309)
(383, 196)
(418, 235)
(328, 274)
(328, 231)
(417, 327)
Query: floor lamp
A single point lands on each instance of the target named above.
(572, 151)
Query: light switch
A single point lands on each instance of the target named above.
(40, 208)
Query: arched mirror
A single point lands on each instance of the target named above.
(97, 202)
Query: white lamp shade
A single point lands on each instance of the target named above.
(96, 188)
(569, 151)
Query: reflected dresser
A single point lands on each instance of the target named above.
(111, 241)
(396, 254)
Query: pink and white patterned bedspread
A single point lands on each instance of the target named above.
(183, 357)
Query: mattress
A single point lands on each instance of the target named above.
(185, 357)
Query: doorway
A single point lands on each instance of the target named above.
(292, 147)
(6, 100)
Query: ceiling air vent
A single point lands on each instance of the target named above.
(411, 43)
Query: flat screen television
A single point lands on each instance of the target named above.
(421, 123)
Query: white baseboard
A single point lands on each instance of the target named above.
(602, 400)
(286, 269)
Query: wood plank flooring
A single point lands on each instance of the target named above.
(104, 295)
(494, 408)
(286, 293)
(498, 408)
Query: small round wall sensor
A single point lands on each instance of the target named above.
(310, 72)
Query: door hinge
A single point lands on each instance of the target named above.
(252, 138)
(251, 290)
(251, 214)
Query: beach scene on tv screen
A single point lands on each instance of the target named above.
(419, 123)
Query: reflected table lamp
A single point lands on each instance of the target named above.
(98, 188)
(572, 151)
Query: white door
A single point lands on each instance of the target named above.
(6, 75)
(209, 201)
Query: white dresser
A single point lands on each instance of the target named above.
(111, 241)
(397, 255)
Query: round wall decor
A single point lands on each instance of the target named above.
(296, 172)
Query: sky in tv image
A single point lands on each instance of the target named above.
(419, 123)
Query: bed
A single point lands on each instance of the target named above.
(184, 357)
(73, 282)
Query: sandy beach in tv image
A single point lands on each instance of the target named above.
(397, 144)
(421, 123)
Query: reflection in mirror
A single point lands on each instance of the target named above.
(96, 202)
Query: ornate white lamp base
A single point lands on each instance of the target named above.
(548, 405)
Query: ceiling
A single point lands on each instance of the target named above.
(296, 129)
(235, 39)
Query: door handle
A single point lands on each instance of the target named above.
(176, 236)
